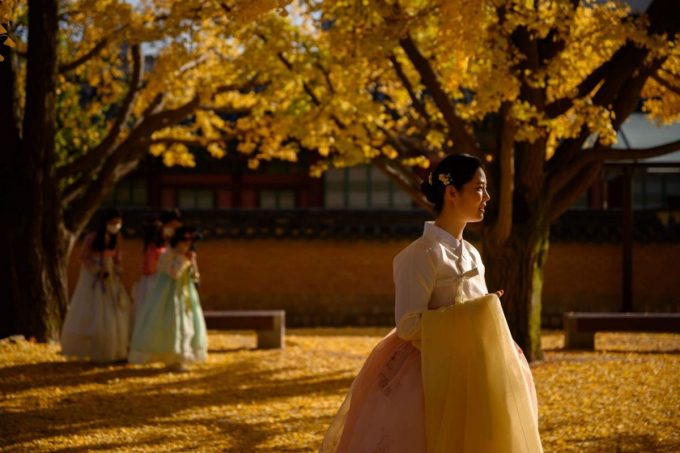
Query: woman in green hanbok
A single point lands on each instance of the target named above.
(170, 327)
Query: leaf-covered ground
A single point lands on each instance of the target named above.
(624, 397)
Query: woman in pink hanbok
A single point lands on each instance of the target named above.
(97, 324)
(157, 238)
(449, 377)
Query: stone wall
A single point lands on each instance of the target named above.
(349, 282)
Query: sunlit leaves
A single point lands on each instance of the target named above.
(327, 76)
(7, 12)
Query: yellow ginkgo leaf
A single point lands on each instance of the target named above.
(9, 42)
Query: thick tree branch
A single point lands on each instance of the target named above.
(570, 159)
(561, 106)
(101, 45)
(404, 182)
(528, 46)
(73, 191)
(620, 92)
(607, 153)
(529, 156)
(409, 174)
(675, 77)
(628, 99)
(152, 122)
(664, 83)
(596, 154)
(506, 189)
(112, 171)
(463, 140)
(129, 152)
(67, 67)
(574, 190)
(190, 143)
(90, 160)
(662, 16)
(415, 100)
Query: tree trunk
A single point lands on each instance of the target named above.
(36, 277)
(35, 242)
(517, 268)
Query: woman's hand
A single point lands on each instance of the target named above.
(498, 293)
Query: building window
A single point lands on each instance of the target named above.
(358, 180)
(363, 187)
(651, 190)
(277, 199)
(195, 199)
(334, 181)
(128, 193)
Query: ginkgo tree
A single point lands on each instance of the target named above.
(79, 109)
(537, 89)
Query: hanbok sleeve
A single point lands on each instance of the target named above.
(173, 264)
(415, 274)
(195, 275)
(86, 252)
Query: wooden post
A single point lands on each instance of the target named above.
(627, 240)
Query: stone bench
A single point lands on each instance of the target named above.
(270, 325)
(580, 328)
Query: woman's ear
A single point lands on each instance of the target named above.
(451, 193)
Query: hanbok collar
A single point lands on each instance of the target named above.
(442, 234)
(458, 248)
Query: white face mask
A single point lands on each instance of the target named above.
(114, 229)
(168, 232)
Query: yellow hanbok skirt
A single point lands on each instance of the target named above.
(467, 390)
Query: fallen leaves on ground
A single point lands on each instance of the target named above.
(623, 397)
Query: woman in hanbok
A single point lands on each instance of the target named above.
(97, 325)
(449, 378)
(156, 241)
(169, 327)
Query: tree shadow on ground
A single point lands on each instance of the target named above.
(647, 443)
(64, 374)
(612, 351)
(131, 405)
(377, 332)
